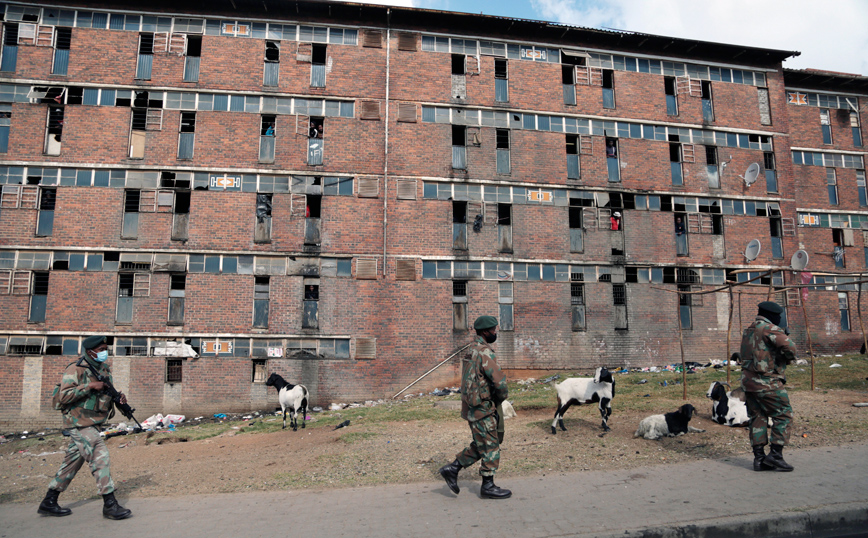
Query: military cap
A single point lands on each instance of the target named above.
(93, 341)
(485, 322)
(771, 306)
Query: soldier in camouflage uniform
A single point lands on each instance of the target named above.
(85, 406)
(483, 390)
(766, 349)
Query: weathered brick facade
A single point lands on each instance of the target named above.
(463, 172)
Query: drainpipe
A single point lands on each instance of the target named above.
(386, 142)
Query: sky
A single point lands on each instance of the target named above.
(831, 35)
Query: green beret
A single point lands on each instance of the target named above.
(771, 306)
(485, 322)
(93, 341)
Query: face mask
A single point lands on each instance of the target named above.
(101, 356)
(490, 338)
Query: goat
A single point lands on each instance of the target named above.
(583, 390)
(727, 407)
(292, 397)
(668, 425)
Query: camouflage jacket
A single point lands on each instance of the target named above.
(82, 406)
(765, 352)
(483, 385)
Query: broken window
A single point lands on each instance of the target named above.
(577, 233)
(671, 92)
(505, 301)
(54, 130)
(186, 135)
(146, 56)
(45, 219)
(318, 62)
(675, 163)
(459, 147)
(313, 220)
(10, 47)
(764, 106)
(192, 58)
(685, 315)
(272, 64)
(260, 302)
(459, 305)
(262, 227)
(681, 245)
(854, 127)
(619, 300)
(711, 167)
(38, 297)
(707, 105)
(612, 163)
(267, 138)
(844, 309)
(130, 285)
(504, 227)
(832, 186)
(62, 41)
(260, 370)
(310, 319)
(826, 125)
(577, 304)
(132, 199)
(315, 143)
(860, 186)
(5, 123)
(501, 80)
(502, 149)
(459, 225)
(568, 78)
(770, 173)
(177, 292)
(174, 370)
(573, 163)
(608, 88)
(459, 64)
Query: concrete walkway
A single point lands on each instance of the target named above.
(826, 496)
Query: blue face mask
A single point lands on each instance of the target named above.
(101, 356)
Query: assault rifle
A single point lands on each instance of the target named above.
(125, 408)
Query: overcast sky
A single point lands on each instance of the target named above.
(831, 35)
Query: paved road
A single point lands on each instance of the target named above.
(826, 496)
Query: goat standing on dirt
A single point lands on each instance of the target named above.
(582, 390)
(292, 397)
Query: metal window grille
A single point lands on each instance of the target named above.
(619, 294)
(174, 370)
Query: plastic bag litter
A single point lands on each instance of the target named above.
(836, 365)
(152, 421)
(173, 419)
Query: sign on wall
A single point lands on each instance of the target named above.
(217, 348)
(225, 182)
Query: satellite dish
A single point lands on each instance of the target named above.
(751, 174)
(752, 250)
(799, 260)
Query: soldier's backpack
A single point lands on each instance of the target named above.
(55, 394)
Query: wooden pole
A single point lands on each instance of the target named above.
(810, 344)
(859, 310)
(728, 332)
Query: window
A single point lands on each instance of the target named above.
(854, 127)
(840, 240)
(711, 167)
(315, 144)
(260, 302)
(318, 66)
(844, 309)
(707, 105)
(764, 106)
(262, 227)
(670, 90)
(130, 285)
(5, 123)
(577, 233)
(684, 303)
(574, 170)
(504, 227)
(502, 143)
(501, 81)
(54, 130)
(186, 135)
(38, 297)
(267, 138)
(675, 163)
(860, 185)
(309, 319)
(619, 301)
(10, 47)
(776, 232)
(577, 302)
(45, 219)
(832, 186)
(568, 78)
(272, 64)
(146, 56)
(174, 370)
(608, 88)
(612, 164)
(826, 125)
(177, 291)
(312, 221)
(505, 300)
(459, 305)
(681, 246)
(192, 57)
(62, 41)
(260, 370)
(771, 175)
(459, 225)
(459, 64)
(459, 149)
(132, 199)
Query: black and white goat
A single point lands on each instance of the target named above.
(292, 398)
(583, 390)
(727, 407)
(668, 425)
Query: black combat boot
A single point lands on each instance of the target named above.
(491, 491)
(49, 506)
(112, 510)
(775, 459)
(450, 475)
(759, 456)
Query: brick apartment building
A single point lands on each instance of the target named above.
(335, 191)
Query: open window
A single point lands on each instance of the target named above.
(271, 75)
(319, 56)
(459, 305)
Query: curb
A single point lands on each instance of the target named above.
(833, 521)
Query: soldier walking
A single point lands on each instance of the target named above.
(85, 406)
(766, 349)
(483, 390)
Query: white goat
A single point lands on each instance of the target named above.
(668, 425)
(292, 397)
(727, 407)
(583, 390)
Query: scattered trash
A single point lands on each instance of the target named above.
(221, 416)
(805, 435)
(508, 411)
(642, 382)
(801, 362)
(548, 380)
(647, 396)
(860, 404)
(836, 365)
(664, 383)
(342, 425)
(317, 409)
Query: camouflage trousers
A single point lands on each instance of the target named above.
(485, 446)
(85, 445)
(762, 406)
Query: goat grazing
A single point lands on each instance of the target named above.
(668, 425)
(727, 407)
(291, 397)
(583, 390)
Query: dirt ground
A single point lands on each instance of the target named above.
(367, 453)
